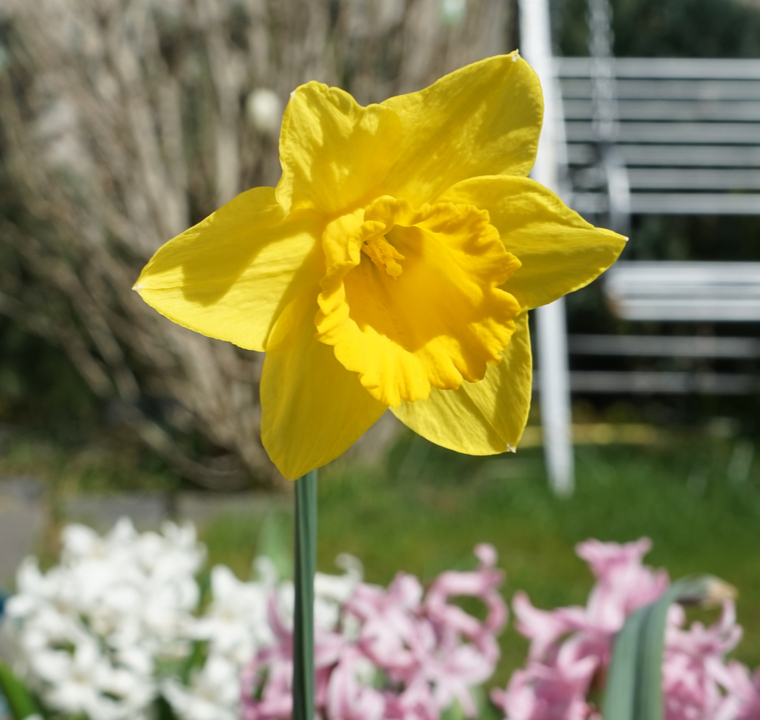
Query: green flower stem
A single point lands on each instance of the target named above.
(20, 700)
(303, 621)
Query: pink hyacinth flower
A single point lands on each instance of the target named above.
(395, 653)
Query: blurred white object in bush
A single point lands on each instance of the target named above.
(264, 110)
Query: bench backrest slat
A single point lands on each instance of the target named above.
(687, 130)
(682, 346)
(672, 133)
(665, 68)
(689, 179)
(673, 155)
(670, 110)
(664, 203)
(656, 89)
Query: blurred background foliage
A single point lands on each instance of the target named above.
(675, 28)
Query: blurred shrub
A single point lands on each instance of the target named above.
(124, 122)
(676, 28)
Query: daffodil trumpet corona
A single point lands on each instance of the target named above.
(392, 266)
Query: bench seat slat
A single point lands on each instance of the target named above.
(693, 291)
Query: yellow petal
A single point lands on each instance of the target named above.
(482, 418)
(481, 120)
(313, 409)
(559, 251)
(334, 152)
(230, 276)
(422, 310)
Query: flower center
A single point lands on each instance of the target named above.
(437, 321)
(383, 254)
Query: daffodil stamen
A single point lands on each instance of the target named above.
(383, 254)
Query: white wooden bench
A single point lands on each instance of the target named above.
(629, 136)
(688, 140)
(688, 134)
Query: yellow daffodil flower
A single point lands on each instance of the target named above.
(391, 267)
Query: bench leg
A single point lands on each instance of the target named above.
(554, 389)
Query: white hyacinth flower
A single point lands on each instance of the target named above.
(235, 622)
(89, 634)
(212, 694)
(106, 631)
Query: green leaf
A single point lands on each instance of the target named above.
(634, 679)
(163, 709)
(20, 700)
(195, 659)
(453, 712)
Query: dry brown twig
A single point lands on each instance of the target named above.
(125, 121)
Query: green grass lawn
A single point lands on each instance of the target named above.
(425, 511)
